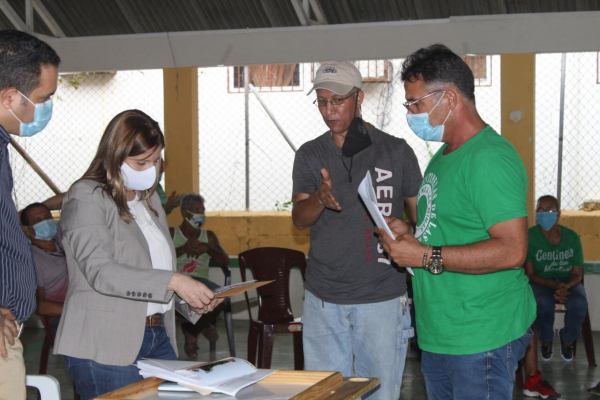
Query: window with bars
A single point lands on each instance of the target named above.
(372, 71)
(266, 78)
(482, 69)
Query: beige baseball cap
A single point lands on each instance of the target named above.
(339, 77)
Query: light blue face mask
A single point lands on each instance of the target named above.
(45, 230)
(41, 117)
(419, 123)
(546, 219)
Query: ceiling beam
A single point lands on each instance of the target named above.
(498, 34)
(137, 28)
(300, 12)
(12, 16)
(29, 15)
(318, 10)
(48, 19)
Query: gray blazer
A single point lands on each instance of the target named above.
(110, 279)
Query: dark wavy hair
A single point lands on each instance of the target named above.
(438, 64)
(21, 59)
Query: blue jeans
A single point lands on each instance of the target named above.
(93, 379)
(576, 306)
(489, 375)
(374, 336)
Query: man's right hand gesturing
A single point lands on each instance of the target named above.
(324, 192)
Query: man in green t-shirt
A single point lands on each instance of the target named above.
(555, 268)
(473, 302)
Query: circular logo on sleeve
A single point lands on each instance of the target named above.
(425, 198)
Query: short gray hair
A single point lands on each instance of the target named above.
(190, 199)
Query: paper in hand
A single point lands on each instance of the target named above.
(367, 194)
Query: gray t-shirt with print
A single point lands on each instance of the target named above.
(347, 265)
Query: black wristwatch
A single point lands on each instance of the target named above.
(436, 264)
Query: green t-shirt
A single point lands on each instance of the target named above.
(552, 261)
(463, 194)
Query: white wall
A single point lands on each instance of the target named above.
(66, 147)
(222, 133)
(581, 172)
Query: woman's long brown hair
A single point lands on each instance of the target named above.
(129, 134)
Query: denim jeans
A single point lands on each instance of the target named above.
(489, 375)
(374, 335)
(576, 306)
(93, 379)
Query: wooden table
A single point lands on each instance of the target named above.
(293, 385)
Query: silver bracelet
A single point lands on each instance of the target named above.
(425, 257)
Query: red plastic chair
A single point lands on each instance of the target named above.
(274, 308)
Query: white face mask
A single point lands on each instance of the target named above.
(138, 180)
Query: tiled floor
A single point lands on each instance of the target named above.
(571, 379)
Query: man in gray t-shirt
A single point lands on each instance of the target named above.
(356, 317)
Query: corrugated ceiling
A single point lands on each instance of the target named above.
(118, 17)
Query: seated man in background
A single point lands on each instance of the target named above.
(49, 260)
(554, 266)
(195, 247)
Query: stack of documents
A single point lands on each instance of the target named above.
(224, 292)
(228, 376)
(367, 194)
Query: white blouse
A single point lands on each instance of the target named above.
(160, 252)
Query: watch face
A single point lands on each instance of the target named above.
(436, 268)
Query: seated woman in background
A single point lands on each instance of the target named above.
(554, 265)
(121, 262)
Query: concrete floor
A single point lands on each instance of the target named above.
(571, 379)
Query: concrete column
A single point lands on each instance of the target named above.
(517, 106)
(181, 133)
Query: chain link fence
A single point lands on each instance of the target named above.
(283, 93)
(581, 90)
(84, 104)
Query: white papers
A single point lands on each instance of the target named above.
(367, 193)
(227, 376)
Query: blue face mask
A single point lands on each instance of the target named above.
(41, 117)
(419, 123)
(45, 230)
(546, 219)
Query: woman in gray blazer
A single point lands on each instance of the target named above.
(121, 261)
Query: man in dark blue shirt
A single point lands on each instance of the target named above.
(28, 79)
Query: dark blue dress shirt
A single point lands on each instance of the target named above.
(18, 280)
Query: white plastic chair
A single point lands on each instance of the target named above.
(47, 385)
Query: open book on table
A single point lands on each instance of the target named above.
(228, 375)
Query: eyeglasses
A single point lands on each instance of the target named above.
(336, 101)
(409, 104)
